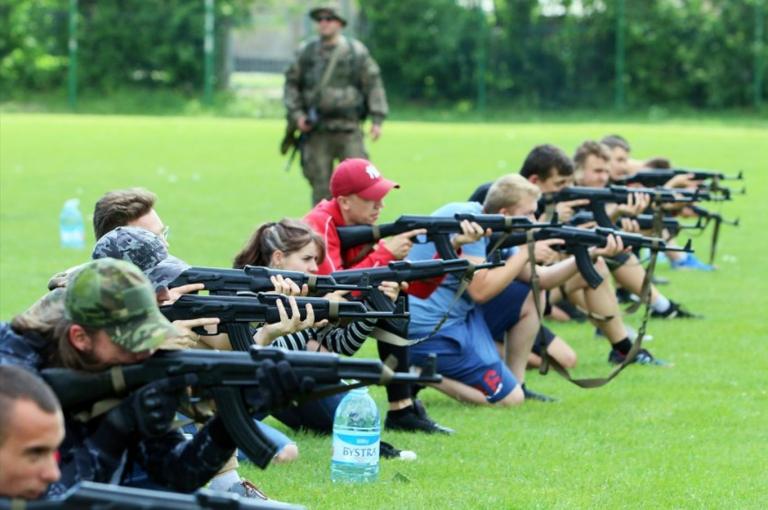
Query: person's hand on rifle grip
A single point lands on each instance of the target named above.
(630, 225)
(392, 289)
(166, 296)
(543, 251)
(636, 204)
(288, 323)
(303, 125)
(613, 246)
(288, 287)
(682, 181)
(401, 244)
(565, 210)
(470, 232)
(150, 410)
(277, 386)
(189, 338)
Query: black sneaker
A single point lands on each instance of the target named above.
(624, 296)
(534, 395)
(414, 418)
(643, 357)
(387, 451)
(675, 311)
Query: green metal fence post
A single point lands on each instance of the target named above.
(208, 48)
(619, 97)
(759, 51)
(481, 60)
(72, 68)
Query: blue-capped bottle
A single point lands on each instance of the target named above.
(71, 227)
(356, 435)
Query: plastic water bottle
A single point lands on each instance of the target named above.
(356, 434)
(71, 227)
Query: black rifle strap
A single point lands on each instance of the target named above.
(656, 231)
(715, 237)
(596, 382)
(391, 338)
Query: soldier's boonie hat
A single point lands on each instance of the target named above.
(359, 176)
(331, 12)
(143, 248)
(114, 295)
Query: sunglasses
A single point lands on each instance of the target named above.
(324, 18)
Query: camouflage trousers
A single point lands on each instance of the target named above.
(322, 151)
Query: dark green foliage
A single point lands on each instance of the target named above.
(697, 53)
(121, 42)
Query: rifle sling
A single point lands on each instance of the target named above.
(391, 338)
(715, 237)
(596, 382)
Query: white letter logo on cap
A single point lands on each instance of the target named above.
(372, 172)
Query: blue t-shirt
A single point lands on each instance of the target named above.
(426, 313)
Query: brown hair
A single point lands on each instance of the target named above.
(285, 235)
(590, 148)
(507, 191)
(117, 208)
(17, 383)
(613, 141)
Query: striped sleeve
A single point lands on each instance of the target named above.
(348, 339)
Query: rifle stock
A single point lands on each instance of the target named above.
(99, 496)
(255, 279)
(223, 376)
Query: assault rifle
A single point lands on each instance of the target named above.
(644, 221)
(255, 279)
(224, 376)
(403, 271)
(659, 177)
(579, 240)
(599, 197)
(99, 496)
(237, 312)
(439, 229)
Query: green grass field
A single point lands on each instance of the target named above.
(691, 436)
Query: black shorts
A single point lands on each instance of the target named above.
(543, 339)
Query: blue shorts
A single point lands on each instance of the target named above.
(467, 352)
(503, 311)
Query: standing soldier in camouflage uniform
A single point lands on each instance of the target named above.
(331, 87)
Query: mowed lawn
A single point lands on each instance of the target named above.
(691, 436)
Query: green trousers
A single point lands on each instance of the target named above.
(322, 151)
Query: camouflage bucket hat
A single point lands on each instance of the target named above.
(329, 11)
(143, 248)
(115, 296)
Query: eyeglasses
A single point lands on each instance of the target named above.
(324, 18)
(165, 234)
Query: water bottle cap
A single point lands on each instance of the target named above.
(72, 202)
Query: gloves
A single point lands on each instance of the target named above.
(277, 386)
(150, 410)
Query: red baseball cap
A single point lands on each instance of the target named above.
(359, 176)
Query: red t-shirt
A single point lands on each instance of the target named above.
(324, 218)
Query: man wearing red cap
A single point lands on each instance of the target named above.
(358, 190)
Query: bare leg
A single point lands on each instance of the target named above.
(631, 276)
(560, 351)
(519, 339)
(602, 301)
(470, 395)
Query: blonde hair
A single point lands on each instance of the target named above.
(507, 191)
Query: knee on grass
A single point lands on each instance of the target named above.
(289, 453)
(514, 398)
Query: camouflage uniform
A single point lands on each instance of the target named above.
(113, 295)
(354, 89)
